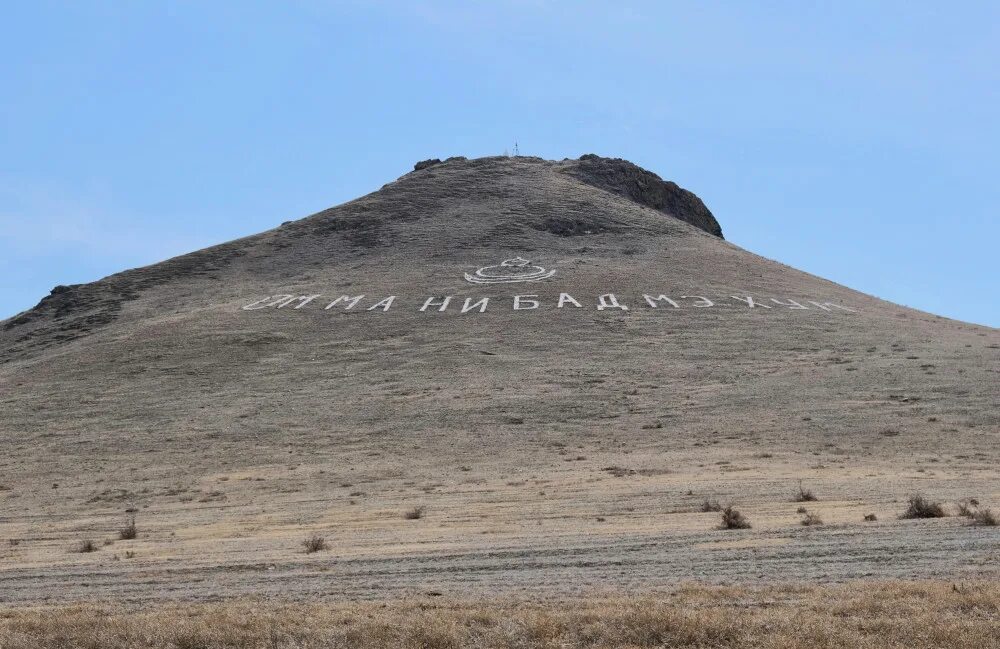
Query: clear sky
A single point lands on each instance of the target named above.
(858, 141)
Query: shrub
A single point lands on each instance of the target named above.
(711, 506)
(800, 510)
(920, 507)
(415, 513)
(732, 519)
(129, 530)
(811, 518)
(871, 518)
(314, 543)
(805, 495)
(86, 546)
(984, 516)
(967, 508)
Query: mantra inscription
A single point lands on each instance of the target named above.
(517, 270)
(529, 302)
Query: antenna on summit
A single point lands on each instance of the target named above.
(515, 149)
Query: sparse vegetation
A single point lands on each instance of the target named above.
(921, 507)
(801, 510)
(129, 530)
(711, 506)
(805, 495)
(870, 518)
(415, 513)
(984, 516)
(86, 546)
(874, 615)
(733, 519)
(315, 543)
(811, 518)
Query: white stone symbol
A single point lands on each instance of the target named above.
(509, 271)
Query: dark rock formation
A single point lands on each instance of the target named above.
(423, 164)
(635, 183)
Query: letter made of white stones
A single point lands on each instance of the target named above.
(566, 298)
(609, 301)
(351, 302)
(270, 300)
(433, 301)
(383, 304)
(748, 300)
(521, 303)
(469, 305)
(791, 304)
(652, 301)
(702, 303)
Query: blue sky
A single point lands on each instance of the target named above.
(855, 140)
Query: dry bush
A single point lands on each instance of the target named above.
(921, 507)
(984, 516)
(805, 495)
(811, 518)
(801, 510)
(86, 546)
(415, 513)
(315, 543)
(128, 531)
(869, 614)
(732, 519)
(871, 518)
(711, 506)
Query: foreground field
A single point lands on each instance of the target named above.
(858, 614)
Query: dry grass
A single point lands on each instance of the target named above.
(811, 518)
(874, 615)
(805, 495)
(733, 519)
(985, 516)
(85, 546)
(315, 543)
(415, 513)
(129, 530)
(921, 507)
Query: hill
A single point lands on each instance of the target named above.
(491, 375)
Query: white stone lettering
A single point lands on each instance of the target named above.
(652, 301)
(305, 299)
(791, 304)
(286, 302)
(469, 305)
(270, 300)
(522, 304)
(749, 301)
(350, 302)
(565, 298)
(609, 301)
(433, 301)
(384, 304)
(703, 302)
(509, 271)
(826, 306)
